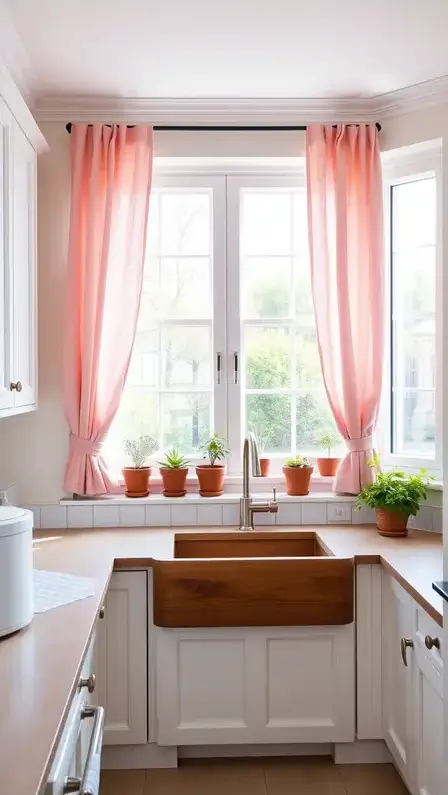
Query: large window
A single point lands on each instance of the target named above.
(413, 380)
(226, 338)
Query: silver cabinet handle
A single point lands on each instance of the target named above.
(89, 683)
(218, 367)
(235, 367)
(89, 784)
(406, 643)
(15, 386)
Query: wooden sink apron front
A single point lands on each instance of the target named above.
(250, 580)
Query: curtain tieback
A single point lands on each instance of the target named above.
(85, 446)
(360, 445)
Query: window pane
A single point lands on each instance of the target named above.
(185, 222)
(313, 415)
(269, 417)
(185, 288)
(186, 356)
(266, 222)
(308, 370)
(144, 365)
(414, 214)
(136, 416)
(268, 357)
(414, 320)
(302, 288)
(186, 420)
(418, 423)
(266, 287)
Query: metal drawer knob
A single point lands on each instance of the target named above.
(15, 386)
(406, 643)
(89, 683)
(432, 643)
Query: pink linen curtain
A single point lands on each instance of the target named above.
(345, 227)
(111, 172)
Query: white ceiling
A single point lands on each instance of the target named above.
(231, 48)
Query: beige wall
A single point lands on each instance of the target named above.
(33, 447)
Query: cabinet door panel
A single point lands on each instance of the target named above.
(6, 349)
(397, 678)
(122, 686)
(202, 686)
(308, 685)
(428, 698)
(24, 269)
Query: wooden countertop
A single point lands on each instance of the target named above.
(40, 666)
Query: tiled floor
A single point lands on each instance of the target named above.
(293, 776)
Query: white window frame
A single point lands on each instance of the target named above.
(173, 178)
(400, 166)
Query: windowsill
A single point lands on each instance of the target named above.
(196, 499)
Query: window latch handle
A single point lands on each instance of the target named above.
(235, 367)
(218, 367)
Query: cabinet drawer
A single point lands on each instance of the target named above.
(427, 632)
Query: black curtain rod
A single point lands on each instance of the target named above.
(224, 128)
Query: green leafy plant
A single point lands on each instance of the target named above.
(174, 460)
(395, 490)
(215, 449)
(139, 450)
(327, 440)
(298, 461)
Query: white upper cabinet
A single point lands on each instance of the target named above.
(18, 336)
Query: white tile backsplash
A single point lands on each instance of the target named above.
(210, 515)
(53, 516)
(423, 520)
(231, 514)
(158, 515)
(184, 515)
(289, 513)
(132, 515)
(437, 520)
(106, 515)
(314, 513)
(79, 516)
(36, 513)
(264, 519)
(364, 515)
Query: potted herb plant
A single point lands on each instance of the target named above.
(174, 470)
(136, 477)
(329, 465)
(395, 496)
(297, 472)
(211, 476)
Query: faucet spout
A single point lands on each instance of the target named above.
(247, 507)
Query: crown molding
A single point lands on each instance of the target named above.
(410, 99)
(59, 108)
(200, 111)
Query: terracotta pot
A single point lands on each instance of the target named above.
(137, 481)
(392, 524)
(328, 466)
(211, 479)
(265, 465)
(174, 481)
(297, 480)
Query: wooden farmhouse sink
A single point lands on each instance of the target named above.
(252, 579)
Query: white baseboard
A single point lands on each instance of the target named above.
(362, 752)
(216, 751)
(138, 757)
